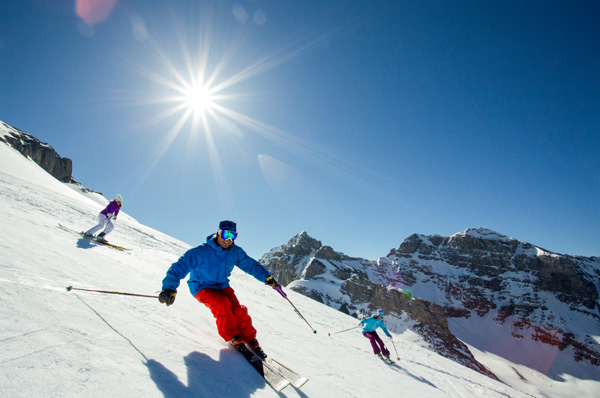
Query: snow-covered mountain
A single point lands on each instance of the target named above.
(356, 287)
(476, 291)
(540, 309)
(73, 344)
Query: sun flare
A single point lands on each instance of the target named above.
(198, 99)
(197, 87)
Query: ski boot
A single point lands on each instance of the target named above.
(86, 235)
(240, 347)
(100, 237)
(255, 346)
(237, 341)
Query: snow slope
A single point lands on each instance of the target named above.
(73, 344)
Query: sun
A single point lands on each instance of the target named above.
(194, 84)
(198, 99)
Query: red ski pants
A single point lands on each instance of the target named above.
(231, 317)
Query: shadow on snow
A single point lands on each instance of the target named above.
(207, 377)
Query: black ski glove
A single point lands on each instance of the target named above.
(167, 296)
(272, 282)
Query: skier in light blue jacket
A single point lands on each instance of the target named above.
(370, 326)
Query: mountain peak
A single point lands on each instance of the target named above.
(305, 241)
(482, 233)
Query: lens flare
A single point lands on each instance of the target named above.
(94, 11)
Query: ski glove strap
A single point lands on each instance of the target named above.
(272, 282)
(167, 296)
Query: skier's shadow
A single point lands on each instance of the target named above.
(83, 243)
(417, 378)
(207, 377)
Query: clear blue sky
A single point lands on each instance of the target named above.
(360, 122)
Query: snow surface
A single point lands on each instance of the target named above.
(73, 344)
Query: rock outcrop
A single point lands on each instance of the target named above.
(41, 153)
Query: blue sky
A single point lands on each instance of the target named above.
(359, 122)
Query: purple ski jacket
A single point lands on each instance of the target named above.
(111, 210)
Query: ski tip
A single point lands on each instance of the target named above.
(299, 383)
(329, 334)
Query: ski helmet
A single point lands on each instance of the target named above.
(380, 312)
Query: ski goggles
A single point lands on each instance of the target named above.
(228, 235)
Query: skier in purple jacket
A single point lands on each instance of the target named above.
(105, 218)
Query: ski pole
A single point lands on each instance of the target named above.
(69, 288)
(397, 356)
(342, 331)
(280, 291)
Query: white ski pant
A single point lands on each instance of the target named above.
(103, 222)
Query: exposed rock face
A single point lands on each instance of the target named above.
(308, 267)
(544, 296)
(41, 153)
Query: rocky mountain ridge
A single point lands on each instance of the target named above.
(544, 296)
(348, 284)
(41, 153)
(541, 299)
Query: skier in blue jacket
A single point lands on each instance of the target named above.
(369, 331)
(209, 266)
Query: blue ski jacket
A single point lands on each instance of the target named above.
(372, 323)
(210, 266)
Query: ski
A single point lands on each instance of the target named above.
(387, 360)
(294, 378)
(94, 239)
(109, 244)
(271, 376)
